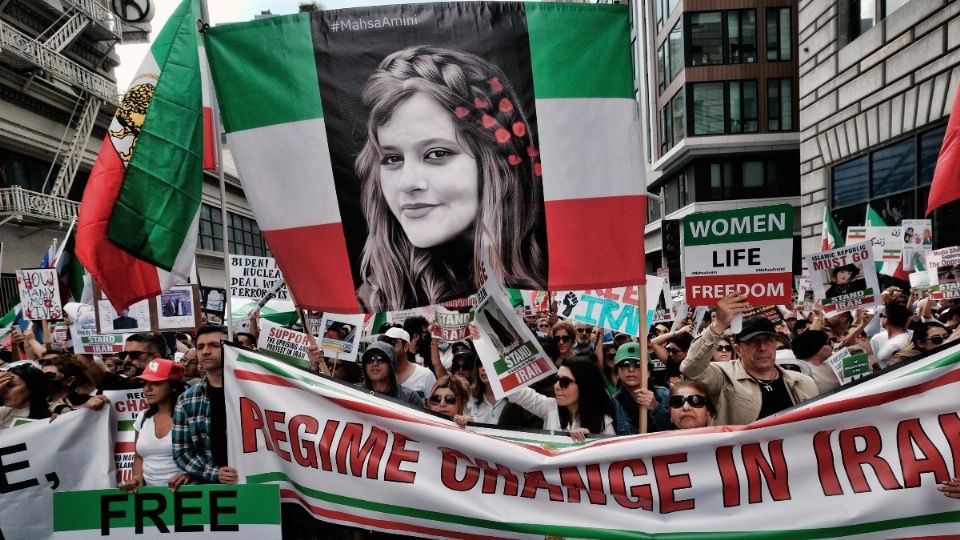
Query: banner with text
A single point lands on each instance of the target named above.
(125, 406)
(451, 325)
(39, 458)
(886, 243)
(254, 277)
(844, 279)
(363, 460)
(747, 251)
(211, 512)
(40, 293)
(289, 345)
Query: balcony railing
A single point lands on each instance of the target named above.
(24, 203)
(57, 65)
(99, 14)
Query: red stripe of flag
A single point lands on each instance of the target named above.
(209, 149)
(124, 447)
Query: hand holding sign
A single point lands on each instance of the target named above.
(728, 307)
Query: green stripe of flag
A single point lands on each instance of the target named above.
(164, 179)
(125, 425)
(252, 97)
(613, 534)
(254, 503)
(580, 51)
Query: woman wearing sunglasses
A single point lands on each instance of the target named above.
(724, 351)
(580, 404)
(449, 396)
(926, 337)
(690, 405)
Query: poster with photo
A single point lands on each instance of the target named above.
(178, 308)
(214, 302)
(40, 294)
(917, 235)
(340, 334)
(943, 270)
(136, 318)
(844, 279)
(83, 332)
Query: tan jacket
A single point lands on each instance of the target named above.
(737, 396)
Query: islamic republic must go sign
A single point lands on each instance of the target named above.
(747, 251)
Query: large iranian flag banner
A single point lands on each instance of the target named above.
(861, 463)
(388, 150)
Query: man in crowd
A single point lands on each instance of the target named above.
(409, 375)
(200, 416)
(191, 367)
(378, 362)
(585, 337)
(419, 337)
(669, 351)
(752, 386)
(895, 336)
(814, 347)
(138, 351)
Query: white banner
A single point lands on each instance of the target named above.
(73, 452)
(125, 406)
(253, 277)
(861, 463)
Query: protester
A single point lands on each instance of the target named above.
(606, 355)
(563, 334)
(586, 337)
(418, 204)
(580, 406)
(463, 365)
(671, 349)
(951, 488)
(200, 416)
(246, 339)
(410, 375)
(153, 463)
(418, 328)
(814, 347)
(24, 392)
(378, 363)
(723, 352)
(482, 406)
(894, 320)
(543, 327)
(448, 396)
(633, 394)
(691, 406)
(926, 337)
(752, 386)
(138, 350)
(64, 380)
(191, 367)
(344, 370)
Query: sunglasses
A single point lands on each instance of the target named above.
(581, 330)
(725, 348)
(463, 366)
(134, 355)
(562, 339)
(564, 382)
(543, 326)
(449, 399)
(695, 400)
(671, 350)
(376, 359)
(629, 362)
(937, 340)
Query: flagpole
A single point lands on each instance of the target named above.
(215, 106)
(63, 245)
(644, 353)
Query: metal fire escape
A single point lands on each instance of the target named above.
(45, 54)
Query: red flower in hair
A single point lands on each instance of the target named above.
(488, 121)
(519, 129)
(513, 160)
(480, 103)
(537, 169)
(495, 85)
(502, 135)
(505, 106)
(461, 112)
(532, 152)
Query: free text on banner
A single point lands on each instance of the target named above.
(861, 463)
(36, 459)
(747, 251)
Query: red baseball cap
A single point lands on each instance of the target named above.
(159, 370)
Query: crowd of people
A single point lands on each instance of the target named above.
(701, 374)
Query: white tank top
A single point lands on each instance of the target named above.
(157, 454)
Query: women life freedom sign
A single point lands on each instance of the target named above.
(40, 293)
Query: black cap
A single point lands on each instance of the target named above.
(809, 343)
(756, 326)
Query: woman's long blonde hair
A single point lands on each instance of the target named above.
(397, 273)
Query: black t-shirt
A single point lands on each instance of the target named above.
(774, 400)
(218, 425)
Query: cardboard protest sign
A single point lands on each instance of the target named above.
(83, 332)
(179, 308)
(805, 297)
(208, 512)
(254, 277)
(799, 474)
(450, 325)
(40, 293)
(917, 235)
(288, 345)
(920, 280)
(510, 353)
(137, 317)
(886, 242)
(943, 267)
(848, 366)
(616, 308)
(747, 251)
(844, 279)
(398, 317)
(339, 335)
(772, 313)
(214, 302)
(38, 459)
(125, 406)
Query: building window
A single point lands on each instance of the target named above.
(893, 168)
(741, 36)
(757, 176)
(664, 9)
(245, 237)
(779, 26)
(779, 105)
(675, 59)
(662, 68)
(724, 107)
(211, 228)
(862, 17)
(677, 105)
(706, 38)
(930, 143)
(671, 123)
(850, 182)
(889, 6)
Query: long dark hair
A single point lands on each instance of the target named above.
(177, 389)
(594, 402)
(36, 383)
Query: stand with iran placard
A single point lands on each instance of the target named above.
(844, 279)
(746, 251)
(943, 266)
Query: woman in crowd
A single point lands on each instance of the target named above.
(926, 337)
(563, 334)
(482, 407)
(65, 379)
(153, 463)
(580, 404)
(24, 392)
(724, 351)
(448, 396)
(691, 406)
(449, 165)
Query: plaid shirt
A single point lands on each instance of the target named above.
(192, 450)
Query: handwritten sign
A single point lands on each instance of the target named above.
(254, 277)
(616, 308)
(746, 251)
(40, 293)
(845, 279)
(284, 343)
